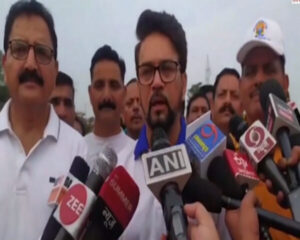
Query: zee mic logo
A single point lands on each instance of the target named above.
(257, 141)
(73, 204)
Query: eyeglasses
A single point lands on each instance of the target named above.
(55, 101)
(167, 71)
(19, 50)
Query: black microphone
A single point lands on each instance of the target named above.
(237, 126)
(210, 196)
(220, 174)
(79, 170)
(166, 171)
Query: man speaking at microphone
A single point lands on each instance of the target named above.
(262, 58)
(161, 58)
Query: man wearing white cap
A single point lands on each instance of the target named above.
(262, 58)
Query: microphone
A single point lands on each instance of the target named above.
(280, 120)
(167, 169)
(78, 170)
(209, 195)
(206, 143)
(193, 126)
(241, 168)
(220, 174)
(237, 126)
(116, 204)
(293, 106)
(257, 142)
(78, 201)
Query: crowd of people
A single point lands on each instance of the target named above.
(40, 133)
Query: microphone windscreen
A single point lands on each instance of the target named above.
(237, 126)
(295, 139)
(159, 139)
(79, 169)
(220, 174)
(270, 86)
(201, 190)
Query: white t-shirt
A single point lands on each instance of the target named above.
(24, 180)
(120, 143)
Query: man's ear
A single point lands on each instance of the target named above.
(90, 92)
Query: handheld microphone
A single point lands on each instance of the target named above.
(206, 143)
(257, 142)
(116, 204)
(167, 169)
(241, 168)
(78, 170)
(193, 126)
(237, 126)
(280, 120)
(293, 106)
(79, 200)
(220, 174)
(209, 195)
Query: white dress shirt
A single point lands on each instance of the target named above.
(24, 179)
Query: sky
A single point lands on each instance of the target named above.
(215, 30)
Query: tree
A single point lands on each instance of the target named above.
(194, 89)
(4, 94)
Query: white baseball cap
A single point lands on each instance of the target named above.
(264, 33)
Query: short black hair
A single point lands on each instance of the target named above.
(107, 53)
(195, 96)
(63, 79)
(161, 22)
(31, 7)
(133, 80)
(225, 71)
(206, 89)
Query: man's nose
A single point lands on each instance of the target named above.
(30, 62)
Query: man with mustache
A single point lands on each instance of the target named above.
(35, 144)
(226, 98)
(133, 117)
(107, 94)
(160, 59)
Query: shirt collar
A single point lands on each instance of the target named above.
(142, 144)
(52, 128)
